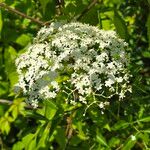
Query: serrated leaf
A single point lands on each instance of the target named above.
(120, 26)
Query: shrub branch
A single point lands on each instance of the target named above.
(8, 102)
(12, 10)
(78, 17)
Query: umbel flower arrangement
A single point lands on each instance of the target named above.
(83, 63)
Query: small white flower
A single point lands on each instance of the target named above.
(119, 79)
(121, 95)
(101, 105)
(34, 103)
(133, 138)
(109, 83)
(111, 65)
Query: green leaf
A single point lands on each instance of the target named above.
(44, 136)
(100, 138)
(10, 56)
(90, 17)
(117, 1)
(1, 22)
(148, 29)
(107, 127)
(32, 145)
(18, 146)
(120, 125)
(48, 8)
(140, 114)
(75, 140)
(81, 133)
(2, 110)
(34, 115)
(146, 119)
(44, 4)
(113, 142)
(50, 109)
(146, 131)
(23, 39)
(146, 54)
(4, 125)
(3, 88)
(61, 137)
(15, 112)
(144, 136)
(129, 144)
(27, 140)
(120, 26)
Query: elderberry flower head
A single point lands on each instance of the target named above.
(81, 61)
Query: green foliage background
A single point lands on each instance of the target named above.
(56, 126)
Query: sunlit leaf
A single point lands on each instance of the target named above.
(50, 109)
(18, 146)
(27, 140)
(146, 119)
(23, 39)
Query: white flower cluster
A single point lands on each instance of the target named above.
(85, 63)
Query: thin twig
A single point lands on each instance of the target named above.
(5, 6)
(4, 101)
(69, 129)
(78, 17)
(8, 102)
